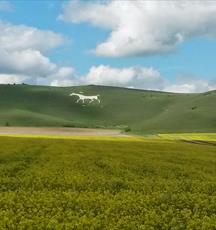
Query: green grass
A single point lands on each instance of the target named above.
(106, 183)
(138, 111)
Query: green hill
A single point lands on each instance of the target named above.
(143, 111)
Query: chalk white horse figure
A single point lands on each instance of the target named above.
(83, 97)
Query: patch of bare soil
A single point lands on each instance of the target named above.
(59, 131)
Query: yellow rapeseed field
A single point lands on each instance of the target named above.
(106, 183)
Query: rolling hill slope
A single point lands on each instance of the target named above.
(143, 111)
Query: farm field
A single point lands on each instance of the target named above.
(189, 136)
(106, 183)
(57, 132)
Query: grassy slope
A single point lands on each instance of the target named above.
(143, 111)
(98, 184)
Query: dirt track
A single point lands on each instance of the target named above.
(57, 131)
(198, 142)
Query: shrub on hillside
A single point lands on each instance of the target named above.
(127, 129)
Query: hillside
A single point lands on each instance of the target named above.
(143, 111)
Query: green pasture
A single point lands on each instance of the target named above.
(134, 111)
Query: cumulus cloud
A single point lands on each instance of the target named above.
(20, 37)
(23, 54)
(12, 78)
(30, 62)
(190, 86)
(136, 77)
(65, 76)
(144, 27)
(23, 58)
(131, 77)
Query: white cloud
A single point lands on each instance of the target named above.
(5, 6)
(144, 27)
(12, 78)
(20, 37)
(132, 77)
(65, 76)
(23, 58)
(62, 82)
(190, 86)
(23, 54)
(137, 77)
(29, 62)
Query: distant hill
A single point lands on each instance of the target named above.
(141, 111)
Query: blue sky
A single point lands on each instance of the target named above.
(192, 59)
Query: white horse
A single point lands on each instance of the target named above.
(83, 97)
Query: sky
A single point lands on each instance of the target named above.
(155, 45)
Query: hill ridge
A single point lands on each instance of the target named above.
(142, 111)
